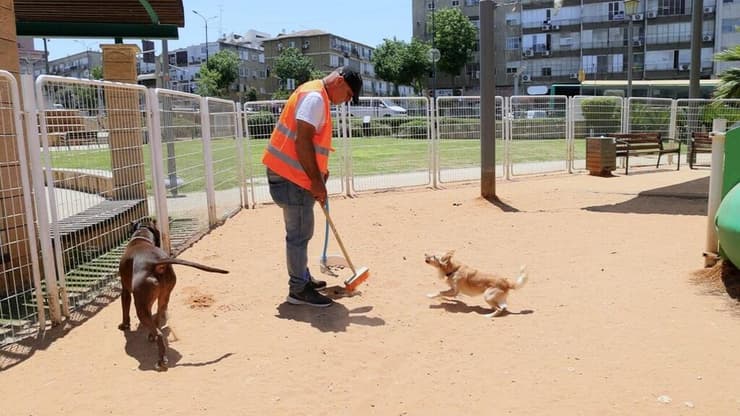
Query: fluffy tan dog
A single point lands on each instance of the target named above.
(469, 281)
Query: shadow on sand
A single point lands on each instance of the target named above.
(335, 318)
(688, 198)
(457, 306)
(15, 353)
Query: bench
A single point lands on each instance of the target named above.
(700, 143)
(638, 144)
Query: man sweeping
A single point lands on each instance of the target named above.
(297, 160)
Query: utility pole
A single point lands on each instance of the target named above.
(696, 32)
(487, 99)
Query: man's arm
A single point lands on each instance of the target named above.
(307, 158)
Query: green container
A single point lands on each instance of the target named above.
(728, 225)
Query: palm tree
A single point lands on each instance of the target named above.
(729, 85)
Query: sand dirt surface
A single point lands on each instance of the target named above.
(610, 322)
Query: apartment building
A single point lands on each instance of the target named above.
(78, 65)
(185, 64)
(328, 52)
(544, 45)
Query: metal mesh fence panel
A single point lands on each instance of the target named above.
(21, 301)
(696, 116)
(184, 166)
(593, 117)
(93, 135)
(389, 143)
(225, 151)
(650, 115)
(458, 134)
(539, 134)
(260, 119)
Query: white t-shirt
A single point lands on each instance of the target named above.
(311, 109)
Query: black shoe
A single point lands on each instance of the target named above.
(316, 284)
(309, 296)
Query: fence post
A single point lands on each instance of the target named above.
(158, 186)
(26, 196)
(240, 157)
(205, 128)
(433, 117)
(34, 154)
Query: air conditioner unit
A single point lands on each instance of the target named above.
(707, 37)
(546, 28)
(555, 27)
(280, 47)
(708, 9)
(637, 42)
(546, 53)
(529, 52)
(526, 78)
(306, 44)
(574, 75)
(637, 17)
(476, 75)
(684, 67)
(652, 14)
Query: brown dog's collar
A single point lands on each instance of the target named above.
(139, 237)
(452, 272)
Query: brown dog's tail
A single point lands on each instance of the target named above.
(189, 263)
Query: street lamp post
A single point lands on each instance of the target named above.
(205, 21)
(630, 7)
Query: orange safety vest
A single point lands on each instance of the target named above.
(281, 156)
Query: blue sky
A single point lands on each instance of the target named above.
(367, 22)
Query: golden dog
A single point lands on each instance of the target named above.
(469, 281)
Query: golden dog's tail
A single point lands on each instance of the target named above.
(522, 279)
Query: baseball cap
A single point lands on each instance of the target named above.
(354, 80)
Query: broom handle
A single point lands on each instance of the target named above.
(339, 240)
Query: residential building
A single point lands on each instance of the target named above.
(328, 52)
(545, 45)
(185, 64)
(78, 65)
(32, 61)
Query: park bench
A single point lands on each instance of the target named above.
(700, 143)
(639, 144)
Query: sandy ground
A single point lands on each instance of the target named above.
(610, 322)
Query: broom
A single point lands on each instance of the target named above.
(358, 275)
(330, 262)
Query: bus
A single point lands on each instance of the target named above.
(670, 88)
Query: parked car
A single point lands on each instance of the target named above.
(377, 108)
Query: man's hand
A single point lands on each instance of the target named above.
(318, 190)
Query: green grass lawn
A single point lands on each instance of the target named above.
(370, 156)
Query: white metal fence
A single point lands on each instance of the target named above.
(103, 154)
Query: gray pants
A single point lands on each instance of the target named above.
(297, 204)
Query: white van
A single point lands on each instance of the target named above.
(381, 107)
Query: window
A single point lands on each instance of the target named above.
(430, 5)
(513, 44)
(730, 25)
(471, 2)
(455, 3)
(546, 71)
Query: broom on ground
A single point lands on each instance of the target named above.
(358, 275)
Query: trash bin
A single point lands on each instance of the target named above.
(601, 155)
(366, 126)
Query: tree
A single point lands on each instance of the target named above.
(387, 60)
(207, 82)
(218, 74)
(401, 63)
(455, 37)
(415, 64)
(97, 72)
(291, 64)
(729, 80)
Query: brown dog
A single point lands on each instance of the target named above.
(146, 271)
(471, 282)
